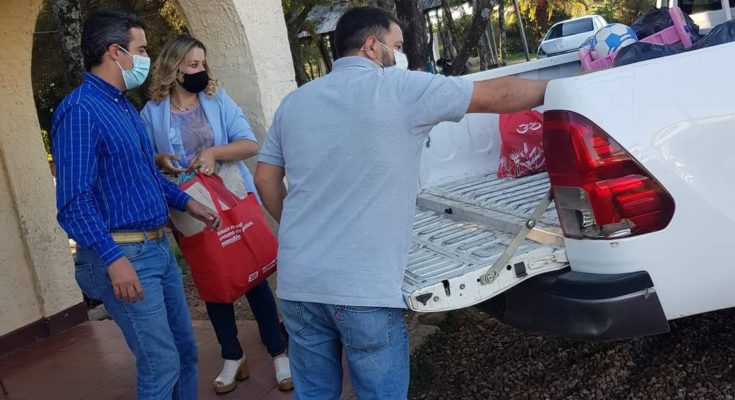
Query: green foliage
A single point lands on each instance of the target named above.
(514, 43)
(623, 11)
(162, 20)
(463, 24)
(312, 59)
(308, 56)
(539, 15)
(46, 142)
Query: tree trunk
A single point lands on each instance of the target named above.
(298, 61)
(430, 44)
(482, 46)
(414, 32)
(482, 51)
(492, 44)
(389, 5)
(68, 19)
(324, 51)
(480, 17)
(526, 52)
(542, 15)
(452, 29)
(503, 55)
(295, 24)
(446, 45)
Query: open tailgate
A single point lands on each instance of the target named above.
(462, 229)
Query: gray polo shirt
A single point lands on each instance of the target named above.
(350, 143)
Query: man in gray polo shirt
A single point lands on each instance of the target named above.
(350, 144)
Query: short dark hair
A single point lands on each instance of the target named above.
(359, 23)
(103, 28)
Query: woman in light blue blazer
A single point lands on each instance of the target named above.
(192, 122)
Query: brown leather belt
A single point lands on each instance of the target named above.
(123, 237)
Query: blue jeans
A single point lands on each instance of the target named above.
(222, 316)
(158, 329)
(375, 341)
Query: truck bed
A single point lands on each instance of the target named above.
(461, 228)
(514, 198)
(466, 217)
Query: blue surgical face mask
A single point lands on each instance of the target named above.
(135, 76)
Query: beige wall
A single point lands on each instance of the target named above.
(248, 50)
(36, 268)
(18, 298)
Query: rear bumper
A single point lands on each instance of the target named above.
(582, 306)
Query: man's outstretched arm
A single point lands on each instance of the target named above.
(505, 95)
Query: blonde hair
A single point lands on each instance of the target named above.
(166, 67)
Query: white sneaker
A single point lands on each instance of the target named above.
(283, 373)
(232, 371)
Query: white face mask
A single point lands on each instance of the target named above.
(399, 57)
(401, 60)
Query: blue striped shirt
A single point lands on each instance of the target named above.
(106, 177)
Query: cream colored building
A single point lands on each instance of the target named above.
(247, 42)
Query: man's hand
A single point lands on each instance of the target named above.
(164, 161)
(125, 281)
(203, 213)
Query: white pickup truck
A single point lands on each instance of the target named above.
(642, 222)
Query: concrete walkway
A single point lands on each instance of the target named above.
(92, 362)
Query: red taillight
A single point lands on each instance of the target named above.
(601, 192)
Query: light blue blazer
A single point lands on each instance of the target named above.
(225, 117)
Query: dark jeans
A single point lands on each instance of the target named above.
(264, 309)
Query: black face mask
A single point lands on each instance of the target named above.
(195, 83)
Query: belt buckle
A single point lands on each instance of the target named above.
(156, 234)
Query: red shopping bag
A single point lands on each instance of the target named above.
(521, 149)
(240, 255)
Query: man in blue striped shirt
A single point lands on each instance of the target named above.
(113, 202)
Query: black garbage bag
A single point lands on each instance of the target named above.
(641, 51)
(722, 33)
(658, 19)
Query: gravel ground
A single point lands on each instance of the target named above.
(474, 357)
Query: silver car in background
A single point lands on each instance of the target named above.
(567, 36)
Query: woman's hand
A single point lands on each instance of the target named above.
(164, 162)
(205, 161)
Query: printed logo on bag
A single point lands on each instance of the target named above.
(253, 276)
(231, 234)
(524, 128)
(269, 266)
(521, 149)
